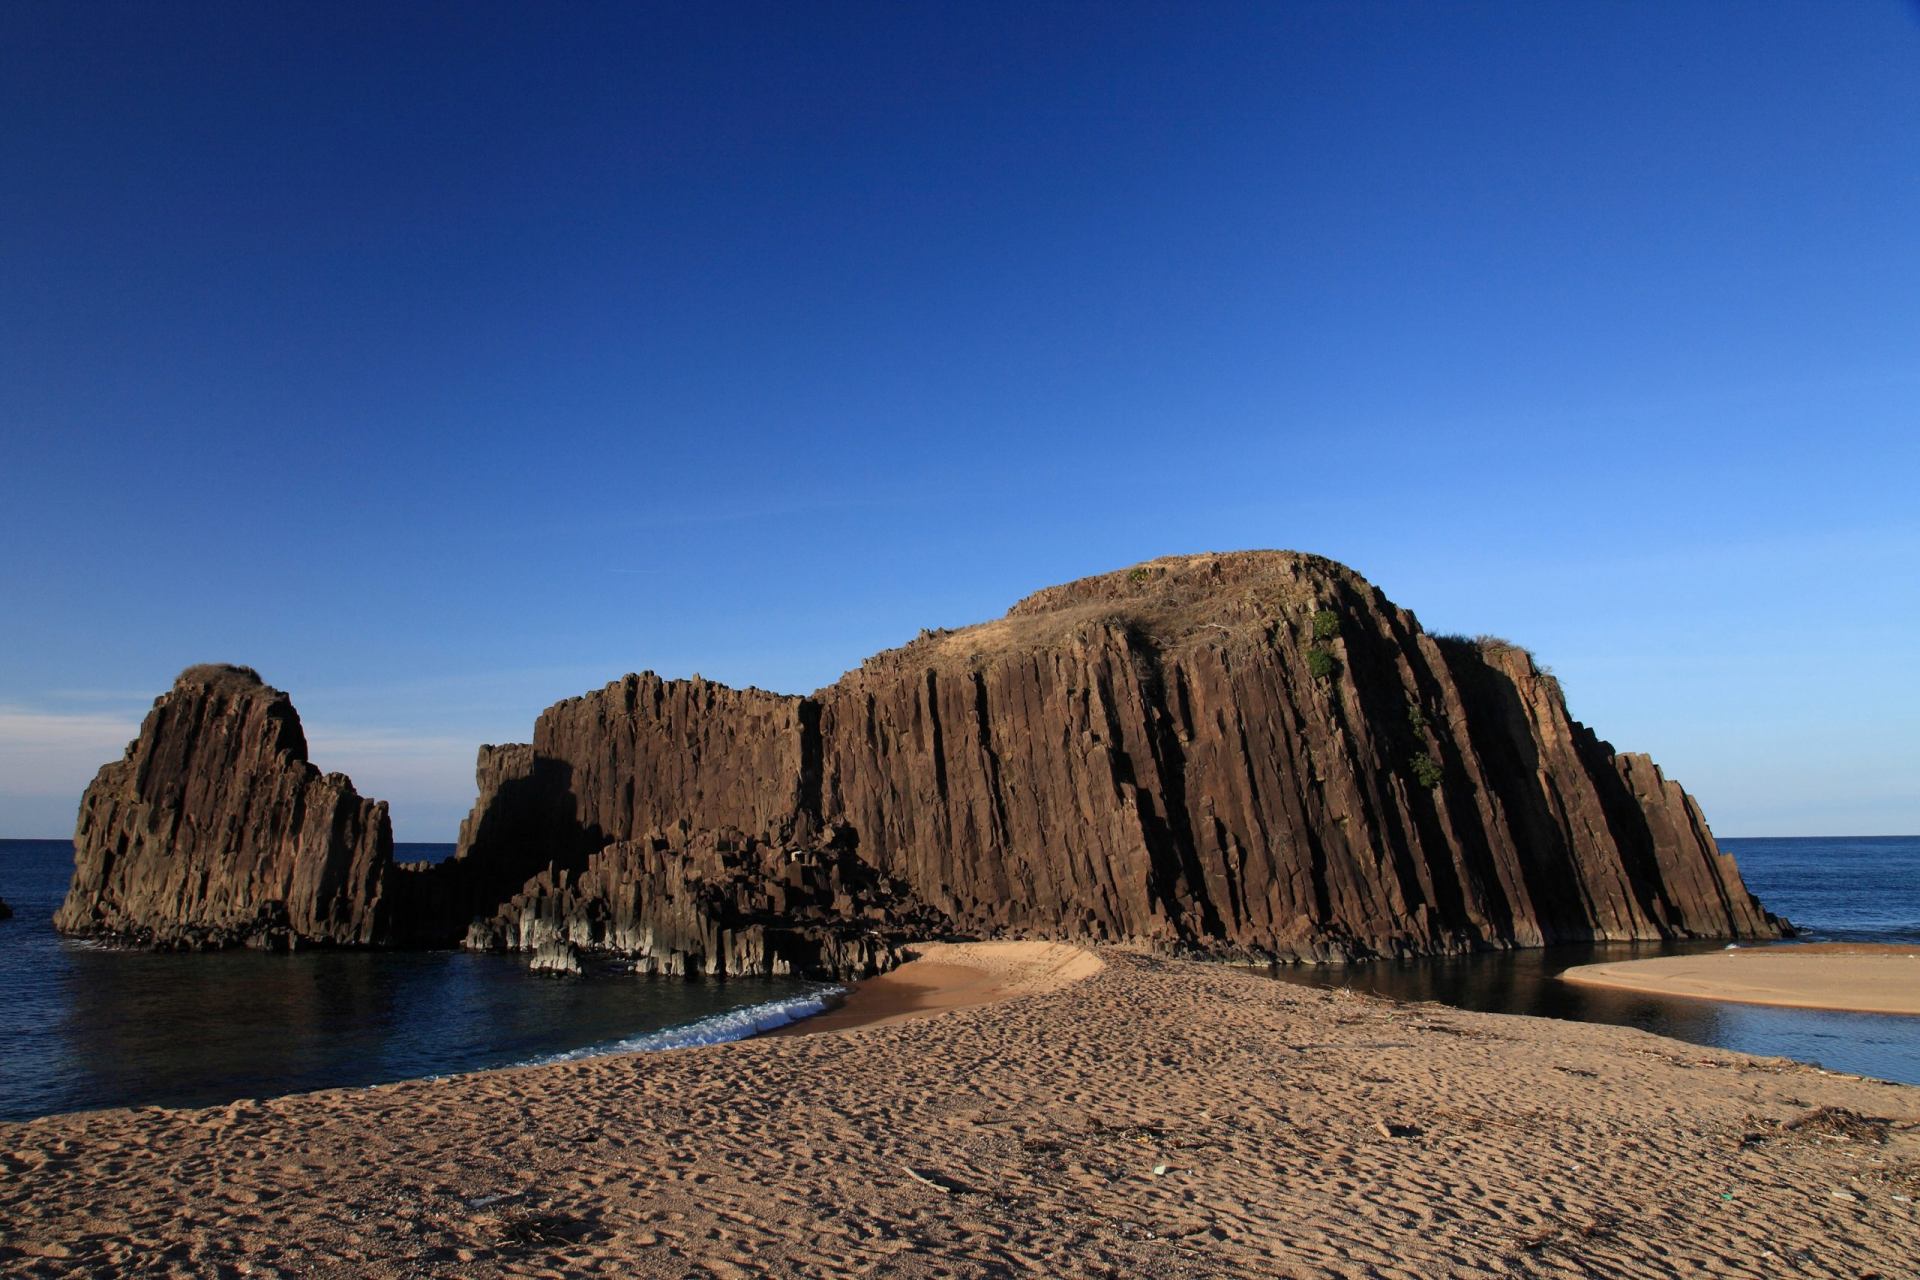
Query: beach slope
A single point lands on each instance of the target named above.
(1153, 1118)
(944, 976)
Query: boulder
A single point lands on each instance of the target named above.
(554, 957)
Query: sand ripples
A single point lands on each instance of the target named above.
(1157, 1118)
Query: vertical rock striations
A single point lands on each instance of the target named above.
(642, 755)
(676, 822)
(1254, 753)
(213, 830)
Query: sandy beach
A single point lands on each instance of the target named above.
(999, 1110)
(1860, 977)
(948, 976)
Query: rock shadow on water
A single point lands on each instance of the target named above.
(126, 1027)
(1527, 982)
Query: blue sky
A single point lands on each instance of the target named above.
(443, 363)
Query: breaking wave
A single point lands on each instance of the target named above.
(718, 1028)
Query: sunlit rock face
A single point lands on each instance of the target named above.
(1252, 754)
(213, 830)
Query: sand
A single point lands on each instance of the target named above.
(1121, 1116)
(946, 976)
(1863, 978)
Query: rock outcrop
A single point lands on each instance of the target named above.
(1251, 754)
(555, 957)
(715, 903)
(6, 912)
(214, 830)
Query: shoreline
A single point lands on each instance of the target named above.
(1130, 1115)
(943, 977)
(1844, 977)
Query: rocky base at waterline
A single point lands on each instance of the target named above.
(1253, 754)
(716, 902)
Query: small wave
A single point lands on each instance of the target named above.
(718, 1028)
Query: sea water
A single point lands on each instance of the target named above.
(1855, 889)
(84, 1025)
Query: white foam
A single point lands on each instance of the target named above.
(718, 1028)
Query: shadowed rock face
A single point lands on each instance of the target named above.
(213, 830)
(1254, 754)
(717, 902)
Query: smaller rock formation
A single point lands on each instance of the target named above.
(555, 957)
(6, 912)
(214, 830)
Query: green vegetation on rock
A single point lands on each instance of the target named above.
(1321, 663)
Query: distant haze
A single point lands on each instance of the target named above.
(444, 363)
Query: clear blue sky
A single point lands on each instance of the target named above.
(445, 361)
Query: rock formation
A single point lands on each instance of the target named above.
(717, 902)
(6, 912)
(213, 830)
(1253, 755)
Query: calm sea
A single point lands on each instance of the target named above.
(1833, 889)
(85, 1026)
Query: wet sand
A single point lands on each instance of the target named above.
(1855, 977)
(1121, 1116)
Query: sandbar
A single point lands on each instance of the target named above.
(944, 976)
(1854, 977)
(1151, 1117)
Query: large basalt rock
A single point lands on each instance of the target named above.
(1251, 754)
(1254, 754)
(214, 830)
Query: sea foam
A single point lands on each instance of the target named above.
(718, 1028)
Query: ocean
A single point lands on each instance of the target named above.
(88, 1026)
(85, 1026)
(1833, 889)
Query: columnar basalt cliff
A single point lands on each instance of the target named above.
(214, 830)
(677, 822)
(716, 902)
(1253, 754)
